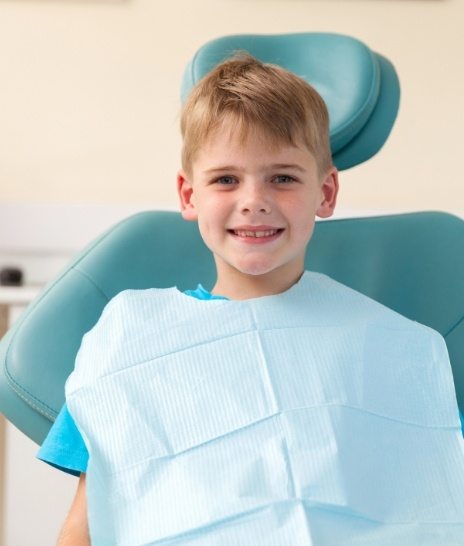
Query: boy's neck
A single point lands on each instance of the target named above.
(239, 286)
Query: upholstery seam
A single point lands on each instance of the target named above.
(454, 327)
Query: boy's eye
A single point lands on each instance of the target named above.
(226, 180)
(284, 179)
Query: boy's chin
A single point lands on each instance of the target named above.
(260, 269)
(258, 266)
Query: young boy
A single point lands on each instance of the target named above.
(282, 408)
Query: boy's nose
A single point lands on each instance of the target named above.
(255, 200)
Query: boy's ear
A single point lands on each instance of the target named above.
(185, 192)
(329, 192)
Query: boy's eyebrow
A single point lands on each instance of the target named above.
(293, 166)
(273, 166)
(225, 168)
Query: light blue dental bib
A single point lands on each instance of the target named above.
(313, 417)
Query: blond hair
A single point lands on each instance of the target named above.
(255, 95)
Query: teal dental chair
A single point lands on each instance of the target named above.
(413, 263)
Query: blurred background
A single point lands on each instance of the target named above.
(89, 114)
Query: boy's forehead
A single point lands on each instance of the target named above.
(235, 135)
(226, 148)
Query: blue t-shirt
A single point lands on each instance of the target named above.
(64, 447)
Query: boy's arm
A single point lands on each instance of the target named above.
(75, 531)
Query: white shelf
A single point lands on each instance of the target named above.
(18, 295)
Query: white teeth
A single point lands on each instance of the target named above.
(245, 233)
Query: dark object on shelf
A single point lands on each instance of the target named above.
(11, 276)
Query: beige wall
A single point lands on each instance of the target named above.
(89, 94)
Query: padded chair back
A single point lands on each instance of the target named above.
(412, 263)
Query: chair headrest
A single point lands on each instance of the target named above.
(359, 86)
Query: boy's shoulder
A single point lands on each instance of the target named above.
(323, 291)
(349, 301)
(131, 310)
(137, 299)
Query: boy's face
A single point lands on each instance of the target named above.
(255, 206)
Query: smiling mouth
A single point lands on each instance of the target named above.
(257, 234)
